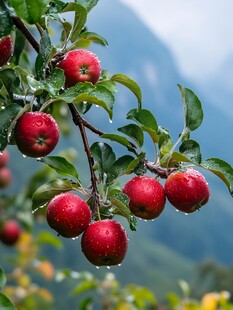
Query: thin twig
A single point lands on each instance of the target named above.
(78, 121)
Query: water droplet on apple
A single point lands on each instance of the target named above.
(186, 213)
(119, 265)
(97, 267)
(108, 267)
(145, 220)
(74, 238)
(39, 158)
(24, 156)
(177, 210)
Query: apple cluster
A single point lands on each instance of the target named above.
(104, 242)
(5, 173)
(186, 190)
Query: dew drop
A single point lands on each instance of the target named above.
(24, 156)
(110, 121)
(74, 238)
(97, 267)
(177, 210)
(119, 265)
(39, 158)
(108, 267)
(186, 213)
(145, 220)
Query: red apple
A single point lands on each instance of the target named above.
(6, 50)
(146, 197)
(68, 214)
(4, 158)
(104, 243)
(5, 177)
(80, 66)
(187, 190)
(36, 134)
(10, 232)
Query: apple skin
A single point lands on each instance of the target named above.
(36, 134)
(105, 243)
(5, 177)
(4, 158)
(187, 190)
(10, 232)
(146, 197)
(68, 214)
(80, 65)
(6, 50)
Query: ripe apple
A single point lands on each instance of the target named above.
(68, 214)
(80, 66)
(187, 190)
(6, 50)
(5, 177)
(36, 134)
(10, 232)
(146, 197)
(104, 243)
(4, 158)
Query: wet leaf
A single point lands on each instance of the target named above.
(61, 165)
(146, 121)
(6, 23)
(84, 286)
(192, 151)
(133, 131)
(30, 10)
(103, 155)
(7, 115)
(48, 190)
(130, 84)
(119, 139)
(192, 108)
(93, 36)
(222, 169)
(118, 168)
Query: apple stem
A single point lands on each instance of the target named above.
(162, 173)
(78, 121)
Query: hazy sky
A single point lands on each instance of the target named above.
(199, 32)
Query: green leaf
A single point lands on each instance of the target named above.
(85, 303)
(143, 297)
(6, 23)
(9, 79)
(79, 19)
(119, 139)
(30, 10)
(44, 55)
(146, 121)
(88, 4)
(2, 279)
(103, 155)
(48, 190)
(165, 141)
(191, 150)
(135, 132)
(193, 112)
(94, 94)
(61, 165)
(84, 287)
(135, 165)
(7, 116)
(118, 168)
(52, 84)
(45, 237)
(222, 169)
(130, 84)
(5, 303)
(120, 202)
(93, 36)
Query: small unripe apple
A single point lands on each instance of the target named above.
(146, 197)
(6, 50)
(68, 214)
(105, 243)
(187, 190)
(4, 158)
(80, 66)
(10, 232)
(36, 134)
(5, 177)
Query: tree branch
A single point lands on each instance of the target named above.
(78, 121)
